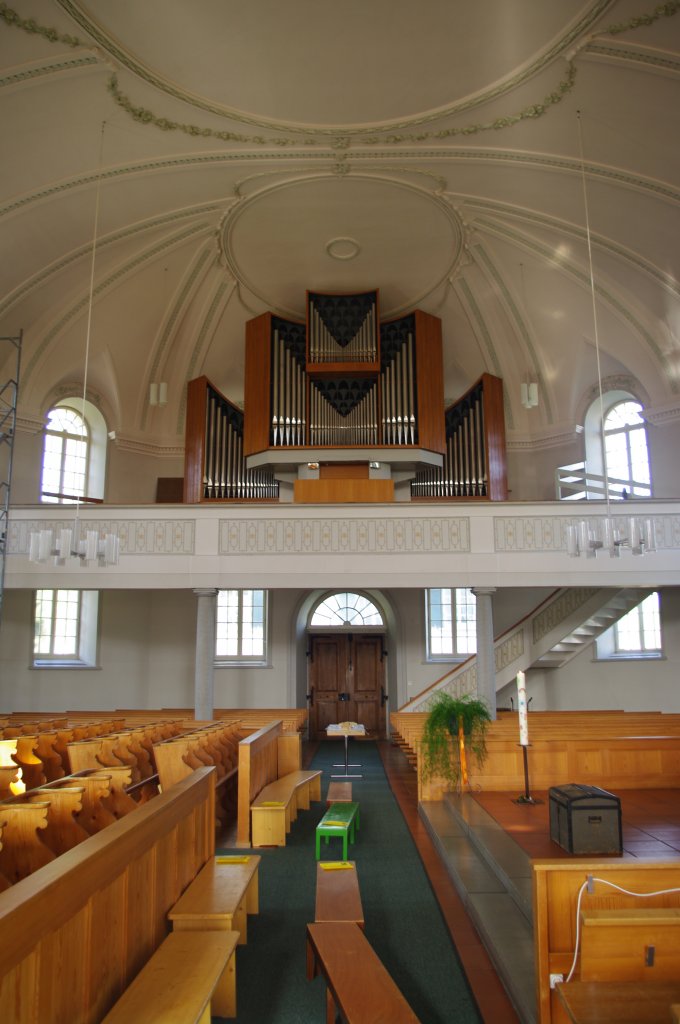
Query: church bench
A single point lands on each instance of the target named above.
(339, 820)
(337, 893)
(630, 944)
(88, 921)
(263, 756)
(359, 987)
(339, 793)
(277, 804)
(556, 888)
(190, 977)
(220, 897)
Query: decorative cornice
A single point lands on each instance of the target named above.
(659, 416)
(136, 446)
(543, 440)
(344, 536)
(51, 68)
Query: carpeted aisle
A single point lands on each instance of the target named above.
(403, 920)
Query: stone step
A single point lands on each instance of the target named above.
(493, 878)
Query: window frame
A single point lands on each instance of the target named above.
(96, 440)
(607, 645)
(456, 655)
(85, 655)
(241, 660)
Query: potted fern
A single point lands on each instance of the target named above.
(453, 726)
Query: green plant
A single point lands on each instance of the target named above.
(452, 723)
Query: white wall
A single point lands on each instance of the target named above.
(588, 684)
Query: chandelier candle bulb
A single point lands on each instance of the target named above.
(522, 710)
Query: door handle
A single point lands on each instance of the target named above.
(383, 697)
(310, 697)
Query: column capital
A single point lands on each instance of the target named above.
(481, 591)
(205, 591)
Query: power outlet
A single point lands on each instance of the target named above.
(555, 979)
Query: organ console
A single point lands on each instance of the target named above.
(344, 388)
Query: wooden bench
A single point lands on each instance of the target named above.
(337, 893)
(339, 820)
(621, 1002)
(190, 976)
(277, 804)
(359, 986)
(220, 898)
(339, 793)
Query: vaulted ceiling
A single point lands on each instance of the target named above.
(235, 155)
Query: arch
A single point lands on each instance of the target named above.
(615, 439)
(342, 609)
(74, 451)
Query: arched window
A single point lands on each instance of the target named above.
(346, 609)
(621, 440)
(625, 445)
(74, 453)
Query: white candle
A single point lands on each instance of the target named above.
(522, 709)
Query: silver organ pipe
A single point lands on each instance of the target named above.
(225, 475)
(464, 472)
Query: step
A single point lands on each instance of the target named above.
(492, 876)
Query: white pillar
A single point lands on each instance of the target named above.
(486, 661)
(204, 682)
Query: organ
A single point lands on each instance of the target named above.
(343, 396)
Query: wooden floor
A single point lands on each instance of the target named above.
(650, 823)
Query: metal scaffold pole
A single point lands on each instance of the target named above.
(9, 393)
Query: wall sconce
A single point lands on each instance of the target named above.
(158, 393)
(529, 394)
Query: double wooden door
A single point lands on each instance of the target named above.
(346, 682)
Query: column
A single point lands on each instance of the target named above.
(486, 662)
(204, 683)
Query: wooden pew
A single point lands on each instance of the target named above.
(556, 887)
(220, 898)
(263, 757)
(86, 923)
(337, 893)
(359, 986)
(189, 978)
(275, 807)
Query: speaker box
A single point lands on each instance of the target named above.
(585, 820)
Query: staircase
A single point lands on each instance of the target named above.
(556, 631)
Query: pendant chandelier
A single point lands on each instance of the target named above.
(69, 543)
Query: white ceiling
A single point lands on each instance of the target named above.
(241, 152)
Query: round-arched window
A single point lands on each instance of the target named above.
(346, 609)
(625, 444)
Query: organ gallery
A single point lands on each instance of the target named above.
(345, 407)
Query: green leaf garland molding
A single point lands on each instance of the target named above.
(316, 136)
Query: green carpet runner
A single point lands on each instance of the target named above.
(403, 920)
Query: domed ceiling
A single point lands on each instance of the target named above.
(227, 157)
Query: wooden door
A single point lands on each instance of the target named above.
(346, 682)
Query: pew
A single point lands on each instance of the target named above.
(190, 977)
(220, 898)
(619, 929)
(359, 986)
(276, 805)
(86, 923)
(337, 893)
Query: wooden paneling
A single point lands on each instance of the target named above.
(194, 439)
(429, 382)
(342, 491)
(78, 929)
(494, 433)
(257, 767)
(257, 395)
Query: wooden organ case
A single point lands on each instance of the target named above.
(345, 408)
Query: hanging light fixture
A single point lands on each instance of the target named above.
(528, 387)
(611, 534)
(93, 547)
